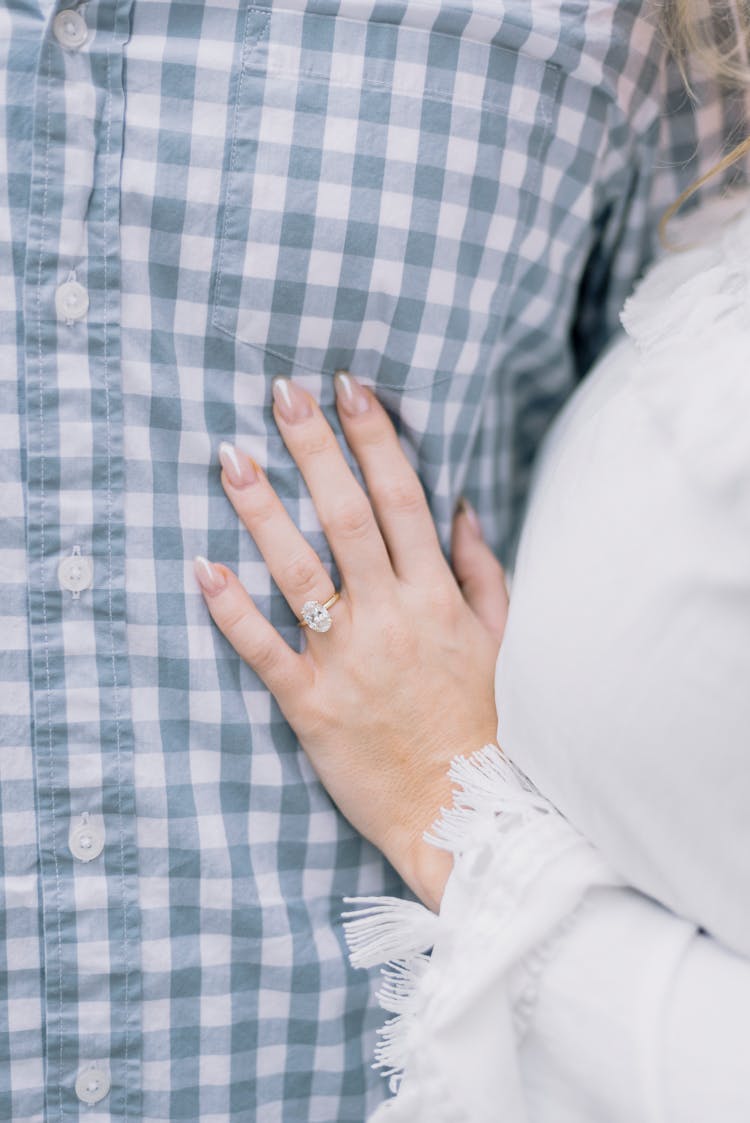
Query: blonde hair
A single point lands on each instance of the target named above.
(717, 34)
(714, 32)
(731, 158)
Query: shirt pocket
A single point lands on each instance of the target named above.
(380, 183)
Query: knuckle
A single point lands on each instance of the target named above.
(372, 433)
(445, 599)
(350, 521)
(265, 510)
(302, 571)
(235, 625)
(266, 656)
(314, 442)
(403, 496)
(445, 591)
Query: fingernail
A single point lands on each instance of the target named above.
(351, 396)
(292, 403)
(238, 468)
(465, 508)
(210, 579)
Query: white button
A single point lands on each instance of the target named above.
(86, 837)
(70, 30)
(71, 302)
(76, 573)
(92, 1084)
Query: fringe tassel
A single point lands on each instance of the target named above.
(387, 928)
(399, 994)
(491, 796)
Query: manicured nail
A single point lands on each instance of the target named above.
(238, 468)
(351, 396)
(210, 579)
(292, 403)
(465, 508)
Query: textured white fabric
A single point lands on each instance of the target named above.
(622, 684)
(638, 1020)
(520, 872)
(553, 993)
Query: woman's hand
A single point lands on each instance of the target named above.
(403, 681)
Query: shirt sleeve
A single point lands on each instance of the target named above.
(640, 178)
(551, 993)
(638, 1019)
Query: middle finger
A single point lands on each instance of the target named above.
(344, 510)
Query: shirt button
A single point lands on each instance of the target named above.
(92, 1084)
(71, 302)
(70, 30)
(75, 573)
(86, 839)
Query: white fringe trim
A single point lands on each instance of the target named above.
(387, 928)
(491, 799)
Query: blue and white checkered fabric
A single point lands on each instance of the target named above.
(452, 200)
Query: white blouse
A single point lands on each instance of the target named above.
(549, 989)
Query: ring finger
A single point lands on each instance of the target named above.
(292, 562)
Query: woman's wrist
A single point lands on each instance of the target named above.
(427, 873)
(423, 866)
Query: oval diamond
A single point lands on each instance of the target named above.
(316, 616)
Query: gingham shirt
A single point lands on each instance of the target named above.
(449, 200)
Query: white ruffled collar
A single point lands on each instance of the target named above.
(691, 290)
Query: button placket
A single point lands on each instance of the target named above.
(73, 253)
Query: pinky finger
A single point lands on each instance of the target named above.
(250, 634)
(479, 573)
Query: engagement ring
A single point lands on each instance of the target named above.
(316, 616)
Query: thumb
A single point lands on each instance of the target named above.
(478, 571)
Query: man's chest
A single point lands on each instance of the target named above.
(331, 187)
